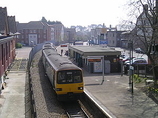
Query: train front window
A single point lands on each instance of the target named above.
(69, 77)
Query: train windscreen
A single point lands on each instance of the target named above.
(69, 76)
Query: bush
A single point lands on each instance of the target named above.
(138, 79)
(18, 45)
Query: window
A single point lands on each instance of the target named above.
(30, 31)
(6, 51)
(45, 36)
(52, 29)
(2, 54)
(74, 76)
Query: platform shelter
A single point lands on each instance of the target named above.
(96, 59)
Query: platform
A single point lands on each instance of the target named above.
(115, 96)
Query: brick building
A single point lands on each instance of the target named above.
(69, 35)
(7, 42)
(4, 26)
(36, 32)
(114, 38)
(106, 35)
(32, 33)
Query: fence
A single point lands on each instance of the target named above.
(140, 69)
(34, 50)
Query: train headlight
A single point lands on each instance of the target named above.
(80, 88)
(58, 89)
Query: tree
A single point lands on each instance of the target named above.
(146, 30)
(43, 19)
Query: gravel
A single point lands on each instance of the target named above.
(46, 103)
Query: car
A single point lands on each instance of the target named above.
(122, 57)
(64, 45)
(23, 44)
(127, 59)
(136, 61)
(139, 50)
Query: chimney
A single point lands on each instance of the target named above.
(145, 8)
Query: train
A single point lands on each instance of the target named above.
(65, 77)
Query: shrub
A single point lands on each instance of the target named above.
(138, 79)
(18, 45)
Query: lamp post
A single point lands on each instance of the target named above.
(131, 69)
(102, 58)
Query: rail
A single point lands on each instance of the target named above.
(74, 110)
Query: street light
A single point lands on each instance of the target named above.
(102, 58)
(131, 69)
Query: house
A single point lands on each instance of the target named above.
(114, 38)
(32, 33)
(106, 36)
(98, 35)
(142, 31)
(69, 35)
(36, 32)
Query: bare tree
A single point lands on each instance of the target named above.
(145, 33)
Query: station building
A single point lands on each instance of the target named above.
(96, 59)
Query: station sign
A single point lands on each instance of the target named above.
(94, 60)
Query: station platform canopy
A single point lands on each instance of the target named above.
(95, 50)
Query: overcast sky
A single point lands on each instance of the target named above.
(69, 12)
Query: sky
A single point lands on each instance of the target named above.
(69, 12)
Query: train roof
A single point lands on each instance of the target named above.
(50, 51)
(58, 62)
(48, 45)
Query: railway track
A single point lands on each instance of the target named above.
(74, 110)
(44, 99)
(45, 104)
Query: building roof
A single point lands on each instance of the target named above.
(4, 39)
(94, 50)
(31, 25)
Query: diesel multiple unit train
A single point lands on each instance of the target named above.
(65, 77)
